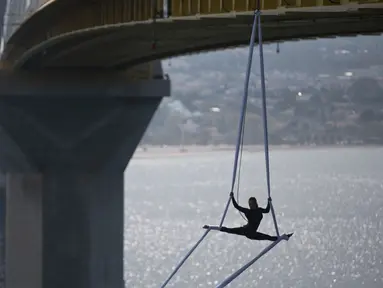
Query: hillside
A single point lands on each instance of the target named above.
(321, 71)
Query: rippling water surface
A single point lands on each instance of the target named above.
(331, 198)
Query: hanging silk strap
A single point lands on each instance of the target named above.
(243, 113)
(265, 129)
(185, 258)
(283, 237)
(238, 146)
(228, 280)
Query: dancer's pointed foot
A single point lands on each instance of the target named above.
(289, 235)
(205, 227)
(286, 236)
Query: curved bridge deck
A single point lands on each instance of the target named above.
(122, 33)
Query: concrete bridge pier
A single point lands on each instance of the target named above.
(2, 229)
(65, 189)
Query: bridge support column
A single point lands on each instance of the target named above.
(64, 223)
(65, 229)
(2, 229)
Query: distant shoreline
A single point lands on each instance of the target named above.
(189, 150)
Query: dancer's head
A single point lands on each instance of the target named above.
(253, 204)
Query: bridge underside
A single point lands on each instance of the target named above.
(127, 45)
(102, 34)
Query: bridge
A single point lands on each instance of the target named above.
(80, 81)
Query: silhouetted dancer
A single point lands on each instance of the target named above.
(254, 217)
